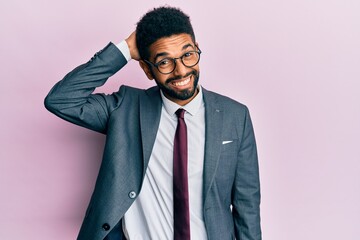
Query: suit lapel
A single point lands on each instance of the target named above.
(213, 130)
(150, 113)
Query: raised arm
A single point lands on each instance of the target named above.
(72, 98)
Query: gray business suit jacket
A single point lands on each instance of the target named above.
(130, 120)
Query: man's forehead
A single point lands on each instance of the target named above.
(172, 44)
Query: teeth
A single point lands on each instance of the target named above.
(182, 83)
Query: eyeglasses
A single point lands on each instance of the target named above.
(168, 65)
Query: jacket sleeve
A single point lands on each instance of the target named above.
(246, 189)
(72, 98)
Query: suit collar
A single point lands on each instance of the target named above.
(213, 135)
(150, 113)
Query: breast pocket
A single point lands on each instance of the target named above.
(229, 147)
(227, 162)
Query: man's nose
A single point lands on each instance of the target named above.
(180, 68)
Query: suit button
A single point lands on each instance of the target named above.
(106, 226)
(132, 194)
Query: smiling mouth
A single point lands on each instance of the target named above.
(181, 83)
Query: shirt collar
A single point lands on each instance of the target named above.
(192, 107)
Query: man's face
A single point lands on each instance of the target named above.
(180, 86)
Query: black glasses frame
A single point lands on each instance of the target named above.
(174, 60)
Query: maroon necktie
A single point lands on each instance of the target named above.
(181, 192)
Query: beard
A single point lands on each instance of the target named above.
(183, 94)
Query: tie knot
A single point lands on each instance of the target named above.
(180, 113)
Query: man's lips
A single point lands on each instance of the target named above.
(181, 78)
(180, 83)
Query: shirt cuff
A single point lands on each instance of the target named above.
(124, 49)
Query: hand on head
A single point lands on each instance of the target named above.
(131, 42)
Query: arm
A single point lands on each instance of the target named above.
(246, 189)
(72, 98)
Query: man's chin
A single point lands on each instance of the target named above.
(184, 94)
(179, 95)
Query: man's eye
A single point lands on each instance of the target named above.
(188, 54)
(164, 62)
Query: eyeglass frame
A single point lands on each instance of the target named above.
(156, 65)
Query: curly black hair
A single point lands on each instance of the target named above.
(161, 22)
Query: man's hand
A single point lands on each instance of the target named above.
(131, 42)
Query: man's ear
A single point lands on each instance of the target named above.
(146, 68)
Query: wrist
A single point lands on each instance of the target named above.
(124, 49)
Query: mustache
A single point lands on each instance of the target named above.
(193, 72)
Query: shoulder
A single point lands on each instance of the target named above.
(224, 102)
(128, 95)
(135, 92)
(235, 116)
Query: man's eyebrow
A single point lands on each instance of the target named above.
(161, 54)
(187, 45)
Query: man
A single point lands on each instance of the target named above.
(166, 173)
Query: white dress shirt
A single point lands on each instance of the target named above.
(151, 215)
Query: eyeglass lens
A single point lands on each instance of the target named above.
(168, 65)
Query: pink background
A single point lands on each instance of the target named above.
(296, 64)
